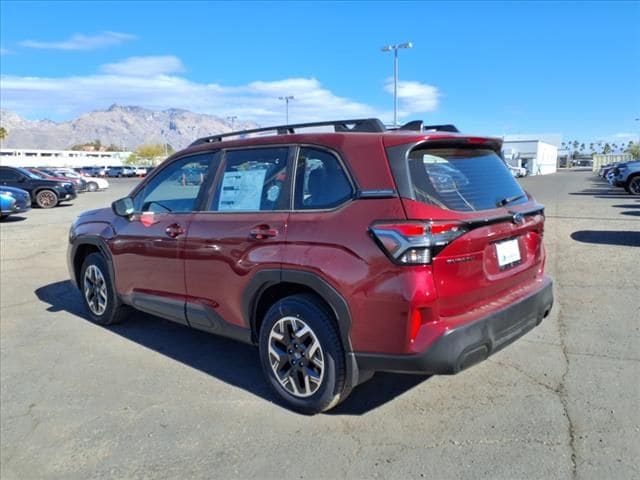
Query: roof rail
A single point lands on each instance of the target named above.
(419, 126)
(357, 125)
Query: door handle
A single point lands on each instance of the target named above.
(174, 230)
(263, 231)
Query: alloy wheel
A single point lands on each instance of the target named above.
(47, 199)
(296, 357)
(95, 290)
(634, 185)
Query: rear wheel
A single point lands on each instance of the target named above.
(633, 185)
(97, 292)
(301, 354)
(92, 186)
(46, 199)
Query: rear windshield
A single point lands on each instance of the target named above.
(463, 179)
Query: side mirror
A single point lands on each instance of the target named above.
(123, 207)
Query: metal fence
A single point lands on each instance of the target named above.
(599, 160)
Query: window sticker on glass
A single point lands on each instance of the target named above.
(242, 190)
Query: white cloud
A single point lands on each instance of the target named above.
(154, 82)
(414, 97)
(82, 42)
(625, 135)
(144, 66)
(4, 51)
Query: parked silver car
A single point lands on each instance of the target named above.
(627, 175)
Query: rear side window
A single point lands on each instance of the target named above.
(253, 180)
(462, 179)
(321, 182)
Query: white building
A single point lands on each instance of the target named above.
(24, 157)
(538, 157)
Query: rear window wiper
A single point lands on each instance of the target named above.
(508, 200)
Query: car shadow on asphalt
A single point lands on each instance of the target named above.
(602, 193)
(601, 189)
(233, 362)
(12, 219)
(628, 205)
(604, 237)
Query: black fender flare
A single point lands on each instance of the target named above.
(264, 279)
(103, 248)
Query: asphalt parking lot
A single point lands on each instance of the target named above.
(151, 399)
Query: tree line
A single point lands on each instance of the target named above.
(580, 148)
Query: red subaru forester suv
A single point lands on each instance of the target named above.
(339, 248)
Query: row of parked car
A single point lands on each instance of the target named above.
(116, 171)
(20, 188)
(623, 174)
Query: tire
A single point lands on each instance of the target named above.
(98, 293)
(306, 385)
(3, 216)
(633, 185)
(92, 186)
(46, 199)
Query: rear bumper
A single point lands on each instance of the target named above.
(470, 343)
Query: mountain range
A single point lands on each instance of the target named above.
(125, 126)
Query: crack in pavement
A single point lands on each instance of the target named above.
(562, 392)
(529, 377)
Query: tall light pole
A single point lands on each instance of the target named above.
(394, 49)
(286, 101)
(231, 119)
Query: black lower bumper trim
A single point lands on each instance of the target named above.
(468, 344)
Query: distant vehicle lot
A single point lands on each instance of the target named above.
(153, 399)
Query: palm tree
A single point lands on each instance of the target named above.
(3, 134)
(606, 149)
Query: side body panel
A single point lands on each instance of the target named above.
(222, 255)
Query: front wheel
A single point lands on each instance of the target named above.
(301, 354)
(633, 185)
(98, 293)
(46, 199)
(92, 186)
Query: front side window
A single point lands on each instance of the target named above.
(253, 180)
(321, 182)
(177, 187)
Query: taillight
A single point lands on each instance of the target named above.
(415, 243)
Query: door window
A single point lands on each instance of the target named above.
(253, 180)
(9, 175)
(321, 182)
(177, 187)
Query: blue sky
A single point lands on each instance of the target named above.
(557, 67)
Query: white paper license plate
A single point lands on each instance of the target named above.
(508, 252)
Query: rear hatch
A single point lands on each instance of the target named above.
(484, 233)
